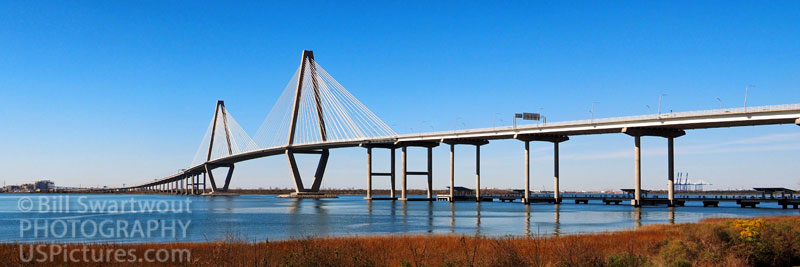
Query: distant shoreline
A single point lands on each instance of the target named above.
(361, 192)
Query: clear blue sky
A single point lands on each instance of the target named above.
(105, 93)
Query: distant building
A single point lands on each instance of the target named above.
(44, 186)
(11, 188)
(462, 191)
(27, 188)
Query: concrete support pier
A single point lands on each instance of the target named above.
(452, 172)
(371, 174)
(477, 143)
(478, 173)
(527, 195)
(392, 179)
(404, 170)
(555, 139)
(556, 189)
(428, 173)
(668, 133)
(637, 152)
(671, 170)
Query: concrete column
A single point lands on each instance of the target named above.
(556, 195)
(638, 170)
(404, 175)
(527, 171)
(369, 173)
(478, 173)
(430, 172)
(392, 193)
(452, 172)
(671, 170)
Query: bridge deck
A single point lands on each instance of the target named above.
(764, 115)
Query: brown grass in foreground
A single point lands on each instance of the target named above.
(769, 241)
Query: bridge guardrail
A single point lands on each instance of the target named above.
(670, 115)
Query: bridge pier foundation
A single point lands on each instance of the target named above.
(300, 189)
(208, 172)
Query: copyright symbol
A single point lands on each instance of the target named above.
(25, 204)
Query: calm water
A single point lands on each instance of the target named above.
(29, 218)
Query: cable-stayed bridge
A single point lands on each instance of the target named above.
(315, 114)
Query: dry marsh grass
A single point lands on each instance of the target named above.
(769, 241)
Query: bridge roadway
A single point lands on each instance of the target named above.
(663, 125)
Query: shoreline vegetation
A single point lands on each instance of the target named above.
(764, 241)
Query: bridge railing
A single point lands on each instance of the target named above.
(669, 115)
